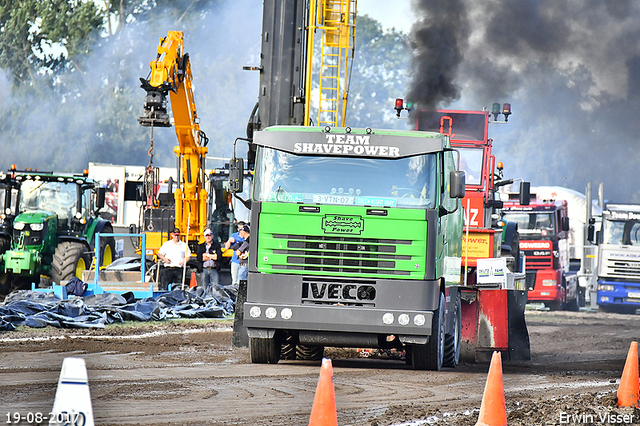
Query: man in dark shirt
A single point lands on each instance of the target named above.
(209, 254)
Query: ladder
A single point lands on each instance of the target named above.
(337, 20)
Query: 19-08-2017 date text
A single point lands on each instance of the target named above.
(63, 418)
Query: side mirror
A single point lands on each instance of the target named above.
(565, 224)
(100, 197)
(236, 175)
(456, 180)
(524, 197)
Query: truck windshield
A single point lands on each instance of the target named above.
(532, 223)
(621, 232)
(54, 197)
(284, 177)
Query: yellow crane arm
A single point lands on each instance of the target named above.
(171, 74)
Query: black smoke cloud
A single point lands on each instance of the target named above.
(571, 71)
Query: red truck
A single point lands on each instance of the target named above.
(543, 226)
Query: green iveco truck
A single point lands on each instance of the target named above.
(355, 242)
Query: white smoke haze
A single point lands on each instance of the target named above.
(571, 73)
(66, 131)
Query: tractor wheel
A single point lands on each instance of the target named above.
(107, 248)
(430, 356)
(264, 351)
(452, 340)
(69, 260)
(5, 283)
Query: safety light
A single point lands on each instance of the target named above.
(13, 167)
(399, 106)
(419, 320)
(270, 312)
(409, 106)
(506, 110)
(495, 111)
(403, 319)
(500, 166)
(286, 313)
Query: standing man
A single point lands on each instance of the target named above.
(209, 255)
(235, 265)
(173, 254)
(243, 254)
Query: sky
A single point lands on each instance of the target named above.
(396, 14)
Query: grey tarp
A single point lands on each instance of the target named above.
(41, 309)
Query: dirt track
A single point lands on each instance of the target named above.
(187, 373)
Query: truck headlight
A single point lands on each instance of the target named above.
(605, 287)
(18, 225)
(549, 283)
(36, 226)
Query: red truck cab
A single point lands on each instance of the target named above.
(544, 241)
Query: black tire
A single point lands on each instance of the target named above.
(5, 283)
(288, 350)
(69, 260)
(107, 248)
(309, 352)
(430, 356)
(553, 305)
(451, 356)
(263, 351)
(571, 305)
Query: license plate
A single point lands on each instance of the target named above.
(634, 294)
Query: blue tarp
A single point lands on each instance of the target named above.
(40, 309)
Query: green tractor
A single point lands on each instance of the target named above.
(54, 235)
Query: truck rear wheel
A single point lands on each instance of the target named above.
(69, 260)
(431, 355)
(263, 351)
(452, 340)
(309, 352)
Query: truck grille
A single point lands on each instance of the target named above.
(341, 254)
(33, 239)
(535, 261)
(618, 268)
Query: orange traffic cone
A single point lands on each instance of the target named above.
(194, 282)
(628, 392)
(324, 412)
(493, 411)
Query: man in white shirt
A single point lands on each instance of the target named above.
(173, 254)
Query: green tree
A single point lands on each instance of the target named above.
(35, 33)
(378, 76)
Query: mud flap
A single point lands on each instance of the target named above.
(493, 319)
(240, 337)
(519, 345)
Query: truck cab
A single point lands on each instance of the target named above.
(544, 234)
(619, 259)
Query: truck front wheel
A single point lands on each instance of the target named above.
(69, 260)
(452, 340)
(265, 351)
(430, 356)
